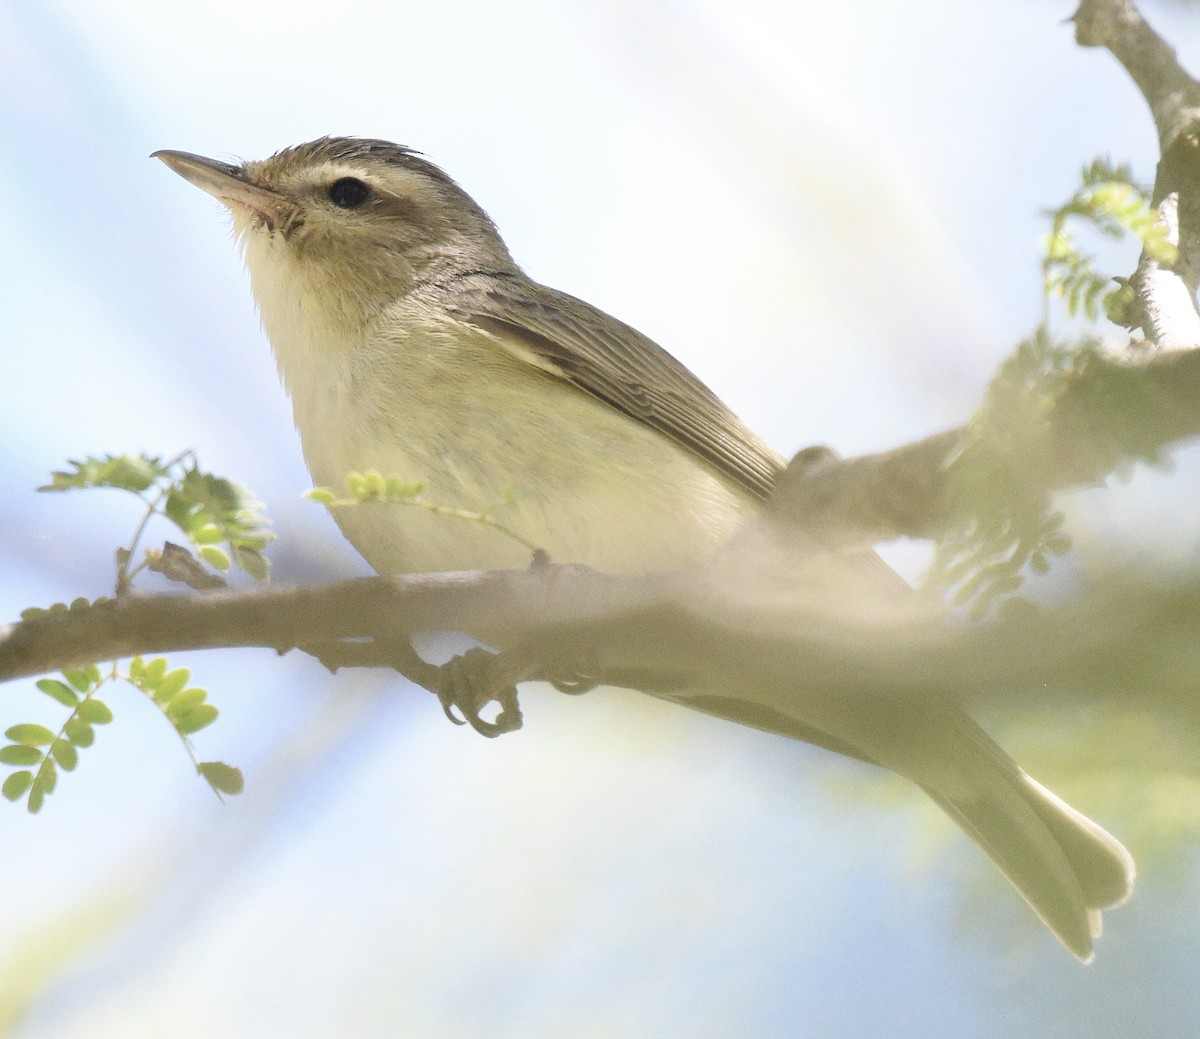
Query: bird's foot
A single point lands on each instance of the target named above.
(469, 682)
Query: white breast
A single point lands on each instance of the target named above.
(420, 398)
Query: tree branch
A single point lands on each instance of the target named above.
(658, 633)
(1114, 408)
(1168, 294)
(1172, 94)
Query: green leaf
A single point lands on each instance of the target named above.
(225, 779)
(29, 734)
(153, 673)
(134, 473)
(36, 794)
(214, 494)
(402, 491)
(79, 732)
(253, 563)
(199, 718)
(176, 508)
(94, 711)
(185, 702)
(211, 509)
(19, 754)
(55, 689)
(16, 785)
(79, 677)
(208, 534)
(65, 754)
(46, 778)
(214, 557)
(171, 684)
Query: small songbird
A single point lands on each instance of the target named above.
(410, 342)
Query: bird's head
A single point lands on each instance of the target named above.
(354, 223)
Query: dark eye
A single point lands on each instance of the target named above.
(348, 193)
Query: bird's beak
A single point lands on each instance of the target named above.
(225, 182)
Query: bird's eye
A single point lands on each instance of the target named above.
(348, 193)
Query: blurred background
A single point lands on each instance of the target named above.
(832, 214)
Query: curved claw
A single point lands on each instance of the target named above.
(469, 683)
(575, 675)
(574, 685)
(448, 703)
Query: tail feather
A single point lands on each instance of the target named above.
(1064, 865)
(1105, 869)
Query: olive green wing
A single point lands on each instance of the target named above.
(573, 341)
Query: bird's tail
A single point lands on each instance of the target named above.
(1064, 865)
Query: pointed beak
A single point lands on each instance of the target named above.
(225, 182)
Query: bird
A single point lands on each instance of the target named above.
(410, 342)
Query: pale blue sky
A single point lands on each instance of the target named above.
(831, 213)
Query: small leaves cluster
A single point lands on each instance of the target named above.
(221, 519)
(187, 708)
(33, 612)
(1001, 525)
(372, 487)
(39, 753)
(213, 511)
(1001, 520)
(224, 525)
(1111, 201)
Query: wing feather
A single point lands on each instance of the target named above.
(573, 341)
